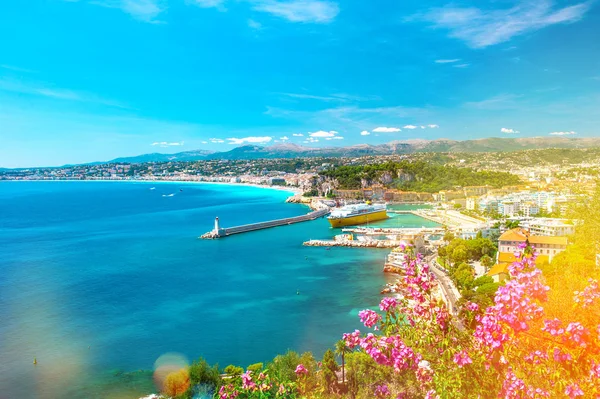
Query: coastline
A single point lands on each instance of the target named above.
(290, 189)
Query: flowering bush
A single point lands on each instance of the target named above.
(513, 351)
(258, 385)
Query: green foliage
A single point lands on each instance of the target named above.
(311, 193)
(486, 261)
(328, 369)
(459, 254)
(468, 250)
(363, 374)
(202, 373)
(233, 371)
(449, 236)
(256, 367)
(488, 289)
(418, 176)
(512, 224)
(463, 276)
(482, 280)
(457, 206)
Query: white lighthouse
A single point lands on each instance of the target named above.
(216, 225)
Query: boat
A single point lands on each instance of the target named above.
(352, 215)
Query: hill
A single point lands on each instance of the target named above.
(288, 150)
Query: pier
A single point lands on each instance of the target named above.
(219, 232)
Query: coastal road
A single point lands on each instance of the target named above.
(447, 286)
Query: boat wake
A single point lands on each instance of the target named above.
(168, 195)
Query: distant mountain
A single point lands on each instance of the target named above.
(157, 157)
(288, 150)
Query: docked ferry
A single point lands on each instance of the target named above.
(351, 215)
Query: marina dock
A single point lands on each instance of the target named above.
(354, 244)
(219, 232)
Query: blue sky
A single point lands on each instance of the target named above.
(89, 80)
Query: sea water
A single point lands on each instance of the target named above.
(97, 277)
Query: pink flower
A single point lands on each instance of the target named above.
(595, 370)
(301, 370)
(388, 303)
(352, 340)
(382, 391)
(589, 295)
(247, 382)
(473, 307)
(369, 317)
(431, 395)
(462, 358)
(553, 327)
(573, 391)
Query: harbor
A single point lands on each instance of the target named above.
(219, 232)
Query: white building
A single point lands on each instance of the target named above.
(551, 227)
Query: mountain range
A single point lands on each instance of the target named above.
(288, 150)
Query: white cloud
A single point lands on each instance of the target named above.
(410, 127)
(208, 3)
(433, 126)
(254, 140)
(167, 144)
(16, 69)
(383, 129)
(365, 133)
(216, 141)
(311, 140)
(284, 138)
(316, 11)
(143, 10)
(47, 90)
(204, 142)
(254, 24)
(298, 135)
(337, 138)
(447, 61)
(422, 127)
(509, 131)
(322, 133)
(562, 133)
(481, 28)
(461, 65)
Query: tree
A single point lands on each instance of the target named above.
(459, 255)
(328, 369)
(449, 236)
(201, 373)
(341, 350)
(486, 262)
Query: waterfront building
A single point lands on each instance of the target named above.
(509, 242)
(551, 227)
(472, 203)
(277, 181)
(476, 191)
(499, 272)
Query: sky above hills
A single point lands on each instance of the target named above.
(88, 80)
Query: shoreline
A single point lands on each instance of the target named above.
(290, 189)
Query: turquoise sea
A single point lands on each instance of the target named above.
(97, 277)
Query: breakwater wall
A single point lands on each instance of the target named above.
(224, 232)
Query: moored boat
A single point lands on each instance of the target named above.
(352, 215)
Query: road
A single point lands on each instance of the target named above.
(450, 291)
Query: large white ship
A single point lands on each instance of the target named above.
(351, 215)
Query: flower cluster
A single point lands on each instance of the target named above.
(513, 349)
(589, 295)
